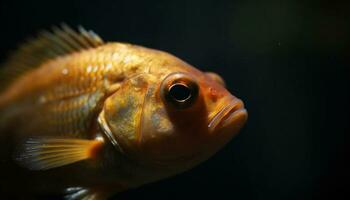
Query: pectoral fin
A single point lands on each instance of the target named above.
(80, 193)
(48, 153)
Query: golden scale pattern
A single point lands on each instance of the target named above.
(78, 88)
(75, 71)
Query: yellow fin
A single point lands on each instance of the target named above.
(47, 45)
(48, 153)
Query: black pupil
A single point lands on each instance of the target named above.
(180, 92)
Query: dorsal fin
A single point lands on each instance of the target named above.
(47, 45)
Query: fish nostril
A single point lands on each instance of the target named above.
(213, 94)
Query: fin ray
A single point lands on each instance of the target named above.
(47, 153)
(80, 193)
(47, 45)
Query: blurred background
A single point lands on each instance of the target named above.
(287, 59)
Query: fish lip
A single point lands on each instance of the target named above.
(227, 114)
(233, 116)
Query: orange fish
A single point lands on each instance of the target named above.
(87, 119)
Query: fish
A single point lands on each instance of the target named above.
(85, 119)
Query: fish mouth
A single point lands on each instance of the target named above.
(229, 114)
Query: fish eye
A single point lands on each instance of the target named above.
(179, 90)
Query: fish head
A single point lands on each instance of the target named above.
(193, 115)
(174, 120)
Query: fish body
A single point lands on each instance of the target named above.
(88, 118)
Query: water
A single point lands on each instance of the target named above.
(287, 60)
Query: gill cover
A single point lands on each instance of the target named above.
(124, 113)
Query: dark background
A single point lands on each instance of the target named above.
(287, 60)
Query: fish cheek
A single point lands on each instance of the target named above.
(171, 133)
(157, 131)
(191, 121)
(155, 127)
(123, 113)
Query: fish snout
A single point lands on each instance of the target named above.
(232, 115)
